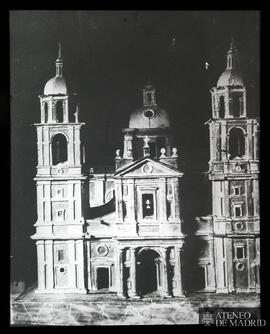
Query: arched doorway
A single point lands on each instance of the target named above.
(148, 271)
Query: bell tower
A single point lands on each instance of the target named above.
(234, 173)
(60, 190)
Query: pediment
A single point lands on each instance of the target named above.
(147, 168)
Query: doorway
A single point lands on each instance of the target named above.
(102, 278)
(147, 271)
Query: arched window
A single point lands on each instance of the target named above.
(236, 105)
(59, 149)
(236, 143)
(221, 107)
(59, 111)
(45, 112)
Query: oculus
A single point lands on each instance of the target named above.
(149, 113)
(240, 266)
(102, 250)
(147, 169)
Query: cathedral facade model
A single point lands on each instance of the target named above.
(122, 231)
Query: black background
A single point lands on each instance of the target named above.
(108, 56)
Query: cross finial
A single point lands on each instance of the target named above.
(59, 50)
(232, 45)
(59, 58)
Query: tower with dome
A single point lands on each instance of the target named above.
(234, 173)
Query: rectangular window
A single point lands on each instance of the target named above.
(237, 191)
(60, 255)
(221, 206)
(148, 205)
(240, 252)
(238, 211)
(60, 215)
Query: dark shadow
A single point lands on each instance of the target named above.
(101, 211)
(194, 278)
(196, 200)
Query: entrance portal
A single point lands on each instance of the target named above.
(147, 271)
(102, 278)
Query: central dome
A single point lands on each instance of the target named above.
(149, 117)
(55, 86)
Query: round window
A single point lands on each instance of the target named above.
(239, 226)
(240, 266)
(102, 250)
(62, 270)
(147, 169)
(149, 113)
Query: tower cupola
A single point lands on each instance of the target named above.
(57, 85)
(232, 75)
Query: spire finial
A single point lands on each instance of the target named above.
(59, 61)
(59, 50)
(232, 55)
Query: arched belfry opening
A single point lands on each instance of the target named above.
(236, 105)
(236, 143)
(59, 112)
(148, 271)
(59, 149)
(221, 107)
(45, 112)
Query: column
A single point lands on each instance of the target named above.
(165, 291)
(70, 146)
(227, 102)
(47, 146)
(120, 273)
(178, 290)
(131, 196)
(77, 146)
(65, 110)
(72, 272)
(50, 265)
(256, 144)
(50, 110)
(40, 145)
(220, 265)
(119, 204)
(133, 292)
(244, 102)
(41, 268)
(88, 260)
(162, 200)
(176, 197)
(80, 261)
(223, 136)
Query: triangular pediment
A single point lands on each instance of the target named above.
(147, 167)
